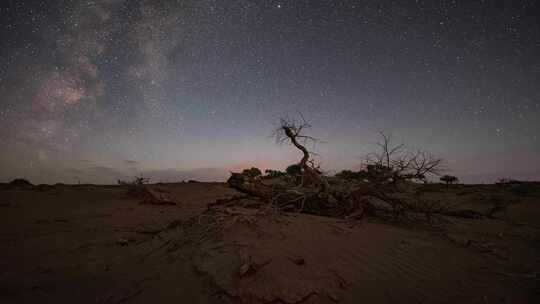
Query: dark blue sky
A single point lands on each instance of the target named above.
(100, 90)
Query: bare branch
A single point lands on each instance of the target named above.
(393, 162)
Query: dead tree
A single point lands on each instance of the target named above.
(291, 131)
(315, 194)
(393, 163)
(388, 151)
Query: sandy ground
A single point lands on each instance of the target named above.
(94, 244)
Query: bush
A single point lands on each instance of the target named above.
(252, 172)
(274, 173)
(348, 174)
(20, 182)
(295, 169)
(137, 187)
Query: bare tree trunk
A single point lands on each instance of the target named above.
(310, 172)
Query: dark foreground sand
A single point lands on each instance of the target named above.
(94, 244)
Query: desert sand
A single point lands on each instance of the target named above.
(95, 244)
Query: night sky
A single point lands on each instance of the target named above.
(94, 91)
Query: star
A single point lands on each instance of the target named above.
(194, 85)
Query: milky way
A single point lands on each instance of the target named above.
(94, 91)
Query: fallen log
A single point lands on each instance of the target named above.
(339, 200)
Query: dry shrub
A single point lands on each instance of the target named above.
(138, 188)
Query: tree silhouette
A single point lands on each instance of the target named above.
(448, 179)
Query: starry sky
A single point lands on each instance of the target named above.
(95, 91)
